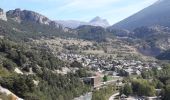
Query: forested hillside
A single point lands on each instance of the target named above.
(38, 81)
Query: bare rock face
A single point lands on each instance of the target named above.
(2, 15)
(26, 15)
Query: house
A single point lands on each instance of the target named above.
(94, 81)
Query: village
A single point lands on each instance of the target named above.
(109, 66)
(114, 69)
(102, 62)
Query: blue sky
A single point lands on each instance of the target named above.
(83, 10)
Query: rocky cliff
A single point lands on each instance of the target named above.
(26, 15)
(3, 15)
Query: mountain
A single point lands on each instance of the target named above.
(20, 62)
(71, 23)
(22, 16)
(30, 16)
(97, 21)
(156, 14)
(3, 15)
(88, 32)
(25, 24)
(153, 40)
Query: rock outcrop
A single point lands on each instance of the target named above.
(2, 15)
(31, 16)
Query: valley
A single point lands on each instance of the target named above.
(47, 59)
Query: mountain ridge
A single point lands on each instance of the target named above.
(97, 21)
(19, 15)
(156, 14)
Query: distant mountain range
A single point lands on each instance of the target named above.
(97, 21)
(148, 30)
(23, 24)
(71, 23)
(19, 15)
(156, 14)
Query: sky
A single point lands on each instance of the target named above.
(82, 10)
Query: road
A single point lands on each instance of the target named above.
(108, 82)
(87, 96)
(113, 96)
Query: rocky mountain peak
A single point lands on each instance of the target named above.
(3, 15)
(97, 21)
(31, 16)
(26, 15)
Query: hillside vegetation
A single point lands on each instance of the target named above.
(37, 65)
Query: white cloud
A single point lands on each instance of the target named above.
(87, 4)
